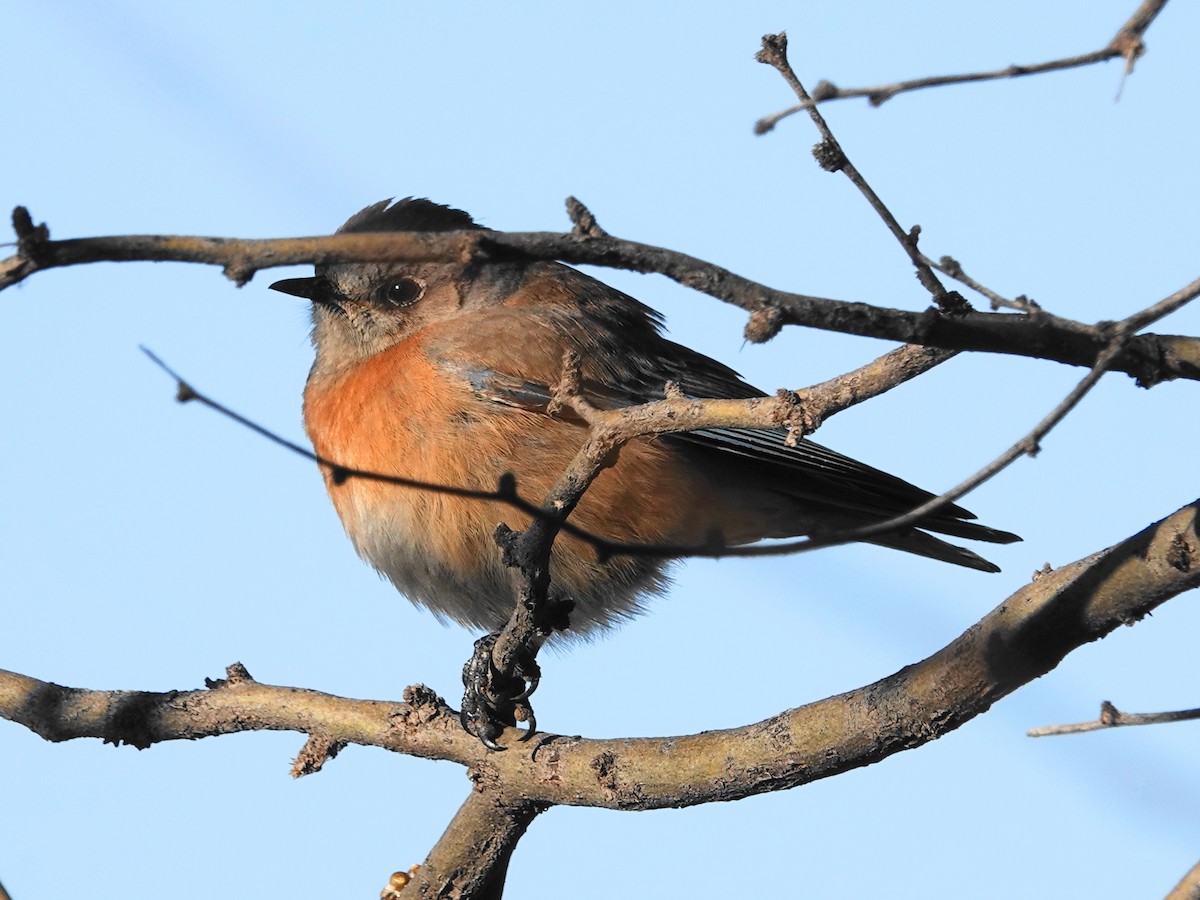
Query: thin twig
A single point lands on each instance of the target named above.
(1126, 43)
(505, 493)
(832, 157)
(950, 266)
(1111, 717)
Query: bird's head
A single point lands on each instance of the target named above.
(359, 309)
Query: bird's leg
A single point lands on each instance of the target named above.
(503, 672)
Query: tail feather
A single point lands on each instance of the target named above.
(969, 530)
(922, 544)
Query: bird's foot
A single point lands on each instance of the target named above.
(494, 700)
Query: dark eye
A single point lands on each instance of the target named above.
(403, 292)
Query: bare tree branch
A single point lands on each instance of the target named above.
(1150, 358)
(1126, 44)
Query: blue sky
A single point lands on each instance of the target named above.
(145, 545)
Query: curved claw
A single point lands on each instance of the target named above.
(489, 743)
(479, 726)
(531, 730)
(531, 684)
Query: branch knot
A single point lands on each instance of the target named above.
(829, 156)
(792, 413)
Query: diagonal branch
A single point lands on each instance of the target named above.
(832, 158)
(471, 858)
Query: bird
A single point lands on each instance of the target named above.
(444, 373)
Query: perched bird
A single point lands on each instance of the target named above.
(442, 373)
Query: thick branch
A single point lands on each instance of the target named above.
(1022, 639)
(1149, 358)
(471, 859)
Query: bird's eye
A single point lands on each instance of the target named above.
(403, 292)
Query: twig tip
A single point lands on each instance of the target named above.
(585, 224)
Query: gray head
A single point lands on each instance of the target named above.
(359, 309)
